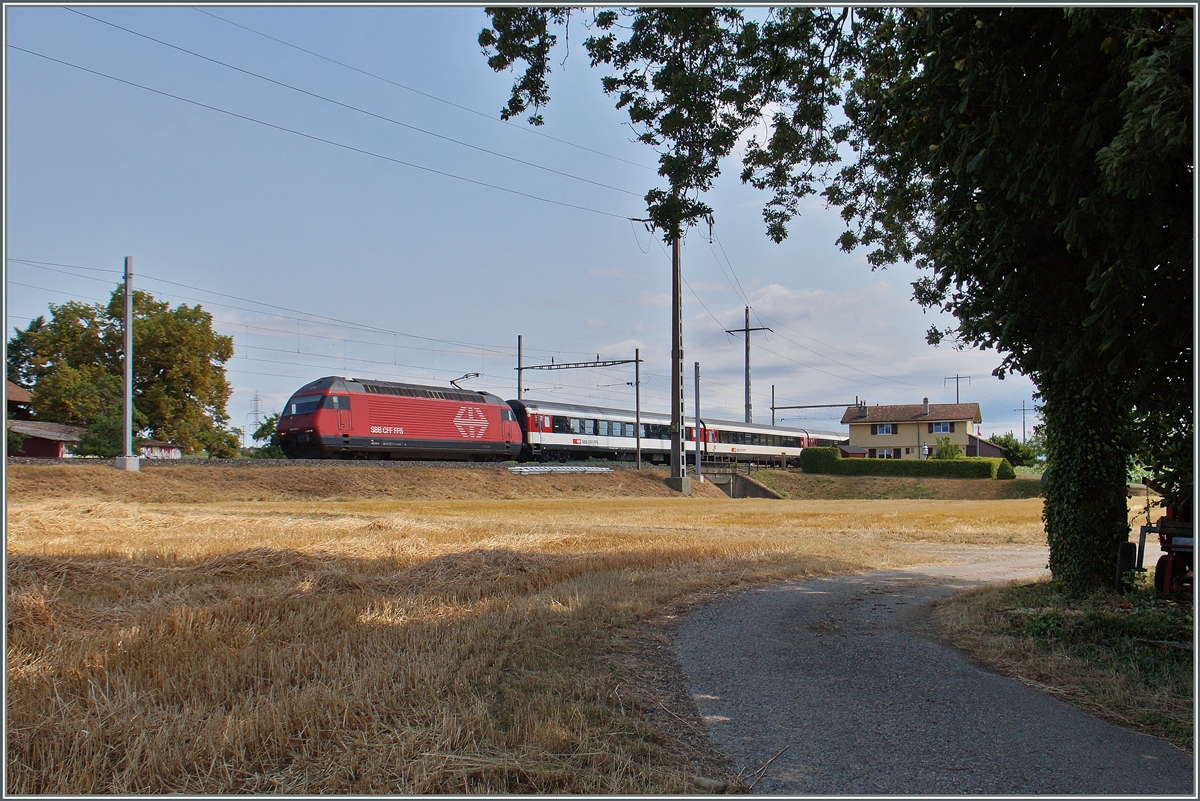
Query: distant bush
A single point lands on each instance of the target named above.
(819, 460)
(266, 452)
(946, 449)
(1005, 470)
(1019, 454)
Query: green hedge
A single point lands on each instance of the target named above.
(820, 460)
(829, 460)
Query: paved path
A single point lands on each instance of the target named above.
(845, 673)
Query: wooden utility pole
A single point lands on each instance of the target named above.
(956, 378)
(1022, 411)
(746, 331)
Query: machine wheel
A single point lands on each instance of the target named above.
(1126, 561)
(1160, 574)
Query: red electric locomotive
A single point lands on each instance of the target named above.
(355, 418)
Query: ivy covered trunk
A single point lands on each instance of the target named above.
(1086, 517)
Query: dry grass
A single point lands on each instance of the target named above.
(215, 645)
(796, 485)
(1127, 659)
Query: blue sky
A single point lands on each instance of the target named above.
(322, 260)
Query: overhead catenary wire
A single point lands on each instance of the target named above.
(584, 394)
(745, 297)
(356, 108)
(485, 115)
(795, 361)
(323, 140)
(499, 350)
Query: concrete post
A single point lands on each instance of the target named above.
(128, 461)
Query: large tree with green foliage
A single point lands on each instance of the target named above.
(1037, 161)
(73, 363)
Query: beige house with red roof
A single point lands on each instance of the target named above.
(911, 431)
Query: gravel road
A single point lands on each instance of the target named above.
(846, 675)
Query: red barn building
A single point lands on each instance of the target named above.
(44, 440)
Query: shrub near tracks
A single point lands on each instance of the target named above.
(205, 645)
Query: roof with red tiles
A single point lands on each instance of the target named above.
(913, 413)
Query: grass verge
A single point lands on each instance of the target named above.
(797, 485)
(1125, 658)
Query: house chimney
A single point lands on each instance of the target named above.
(862, 409)
(926, 407)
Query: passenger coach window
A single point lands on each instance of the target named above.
(561, 425)
(604, 428)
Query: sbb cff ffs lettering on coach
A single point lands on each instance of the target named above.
(354, 418)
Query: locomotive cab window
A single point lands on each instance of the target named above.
(302, 406)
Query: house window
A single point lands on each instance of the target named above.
(940, 428)
(883, 428)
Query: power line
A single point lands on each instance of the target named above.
(589, 393)
(735, 277)
(797, 344)
(495, 349)
(356, 108)
(728, 280)
(475, 348)
(377, 77)
(323, 140)
(823, 344)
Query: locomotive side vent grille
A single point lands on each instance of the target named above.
(430, 394)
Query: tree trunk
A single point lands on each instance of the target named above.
(1088, 453)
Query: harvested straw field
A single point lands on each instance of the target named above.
(219, 631)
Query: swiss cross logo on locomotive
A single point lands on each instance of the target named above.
(470, 422)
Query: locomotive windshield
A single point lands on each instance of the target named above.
(302, 405)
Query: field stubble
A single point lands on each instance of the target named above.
(466, 645)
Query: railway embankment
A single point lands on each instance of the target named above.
(264, 480)
(278, 479)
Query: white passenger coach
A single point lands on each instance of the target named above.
(560, 432)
